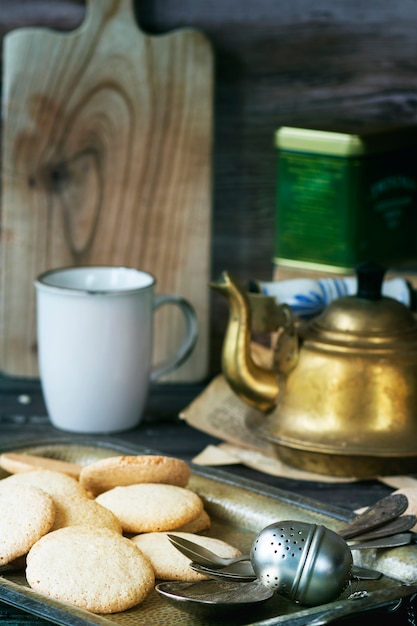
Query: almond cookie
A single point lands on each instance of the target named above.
(50, 481)
(169, 563)
(197, 525)
(81, 511)
(92, 568)
(72, 505)
(150, 507)
(119, 471)
(27, 513)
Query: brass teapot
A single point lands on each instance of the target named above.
(341, 398)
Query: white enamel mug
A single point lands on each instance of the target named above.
(95, 338)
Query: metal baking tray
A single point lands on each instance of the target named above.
(239, 509)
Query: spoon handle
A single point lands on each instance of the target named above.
(399, 525)
(225, 573)
(247, 574)
(394, 541)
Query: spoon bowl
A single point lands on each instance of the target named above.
(212, 597)
(375, 516)
(202, 555)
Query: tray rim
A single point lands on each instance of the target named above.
(337, 512)
(65, 615)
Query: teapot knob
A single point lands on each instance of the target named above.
(370, 277)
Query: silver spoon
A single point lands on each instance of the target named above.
(208, 599)
(306, 563)
(378, 514)
(241, 569)
(244, 572)
(239, 572)
(399, 525)
(202, 556)
(214, 597)
(393, 541)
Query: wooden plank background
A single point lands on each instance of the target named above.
(277, 62)
(107, 136)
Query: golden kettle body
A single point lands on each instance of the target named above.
(342, 397)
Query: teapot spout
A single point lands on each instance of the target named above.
(255, 385)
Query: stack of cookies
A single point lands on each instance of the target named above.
(96, 536)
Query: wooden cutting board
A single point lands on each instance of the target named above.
(107, 141)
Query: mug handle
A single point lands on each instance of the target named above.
(190, 338)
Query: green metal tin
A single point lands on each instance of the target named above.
(343, 198)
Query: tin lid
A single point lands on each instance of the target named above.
(339, 143)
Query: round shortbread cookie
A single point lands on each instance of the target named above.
(16, 462)
(169, 563)
(119, 471)
(27, 513)
(72, 505)
(52, 482)
(197, 525)
(150, 507)
(92, 568)
(80, 511)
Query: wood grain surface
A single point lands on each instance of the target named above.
(106, 160)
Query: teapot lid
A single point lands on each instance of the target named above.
(366, 318)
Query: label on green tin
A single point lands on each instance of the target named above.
(313, 222)
(340, 211)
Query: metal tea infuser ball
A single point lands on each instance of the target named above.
(307, 563)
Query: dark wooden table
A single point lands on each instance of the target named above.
(23, 419)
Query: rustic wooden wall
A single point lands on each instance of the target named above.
(277, 62)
